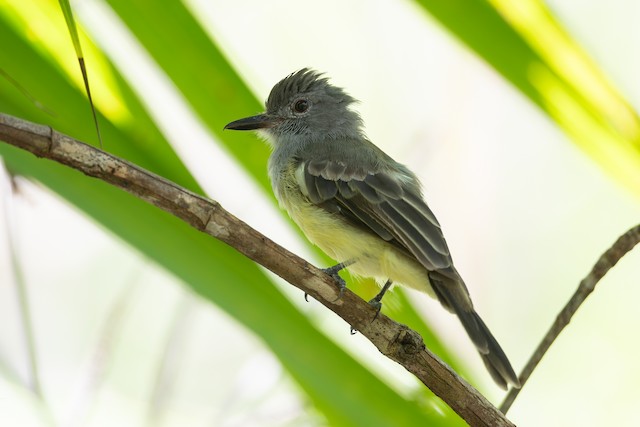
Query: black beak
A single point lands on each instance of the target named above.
(260, 121)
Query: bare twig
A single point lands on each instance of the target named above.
(395, 341)
(624, 244)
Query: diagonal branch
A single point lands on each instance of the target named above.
(607, 260)
(396, 341)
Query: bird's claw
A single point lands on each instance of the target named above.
(375, 303)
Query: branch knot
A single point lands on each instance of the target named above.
(406, 343)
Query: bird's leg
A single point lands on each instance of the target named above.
(333, 272)
(376, 302)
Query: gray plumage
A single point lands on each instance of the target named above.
(357, 203)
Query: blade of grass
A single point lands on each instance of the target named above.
(73, 32)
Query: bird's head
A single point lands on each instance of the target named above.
(304, 104)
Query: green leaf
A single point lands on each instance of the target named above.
(523, 42)
(201, 72)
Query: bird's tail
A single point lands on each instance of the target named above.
(455, 297)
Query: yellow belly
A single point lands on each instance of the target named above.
(374, 257)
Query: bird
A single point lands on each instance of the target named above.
(360, 206)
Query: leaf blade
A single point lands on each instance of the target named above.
(520, 40)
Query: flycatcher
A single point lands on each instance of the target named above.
(359, 205)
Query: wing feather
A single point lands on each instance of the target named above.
(382, 203)
(326, 189)
(416, 235)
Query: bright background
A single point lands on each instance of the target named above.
(525, 212)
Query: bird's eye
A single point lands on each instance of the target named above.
(301, 106)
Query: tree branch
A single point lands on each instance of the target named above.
(396, 341)
(607, 260)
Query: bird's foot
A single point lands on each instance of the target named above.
(333, 272)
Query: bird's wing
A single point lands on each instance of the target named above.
(380, 202)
